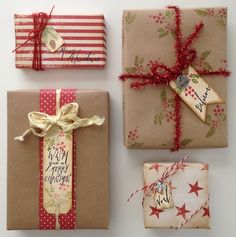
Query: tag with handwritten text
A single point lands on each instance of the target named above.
(163, 196)
(52, 40)
(57, 171)
(195, 92)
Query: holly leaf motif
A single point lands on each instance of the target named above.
(208, 120)
(131, 70)
(211, 132)
(185, 141)
(221, 24)
(224, 117)
(158, 118)
(171, 102)
(201, 12)
(205, 54)
(169, 14)
(163, 95)
(136, 144)
(163, 34)
(207, 66)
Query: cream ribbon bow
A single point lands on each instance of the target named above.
(66, 119)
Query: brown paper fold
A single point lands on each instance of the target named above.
(92, 164)
(145, 123)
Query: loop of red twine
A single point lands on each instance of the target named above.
(168, 172)
(160, 74)
(40, 21)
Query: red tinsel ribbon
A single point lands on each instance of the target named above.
(161, 74)
(40, 21)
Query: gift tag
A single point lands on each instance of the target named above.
(163, 196)
(52, 40)
(195, 92)
(57, 171)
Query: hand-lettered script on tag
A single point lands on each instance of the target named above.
(57, 171)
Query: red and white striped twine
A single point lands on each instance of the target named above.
(190, 217)
(169, 171)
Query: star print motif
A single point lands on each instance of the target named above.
(155, 166)
(206, 211)
(155, 211)
(182, 211)
(171, 186)
(181, 166)
(205, 167)
(194, 188)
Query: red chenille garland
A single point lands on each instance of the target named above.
(161, 74)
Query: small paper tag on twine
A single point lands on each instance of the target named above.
(195, 92)
(163, 196)
(52, 40)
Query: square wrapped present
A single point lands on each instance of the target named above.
(67, 41)
(153, 115)
(183, 202)
(58, 169)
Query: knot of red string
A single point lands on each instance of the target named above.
(162, 74)
(40, 21)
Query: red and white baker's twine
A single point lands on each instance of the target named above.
(169, 171)
(193, 214)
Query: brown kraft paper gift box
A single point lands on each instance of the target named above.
(91, 178)
(148, 35)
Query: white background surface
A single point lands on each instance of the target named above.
(125, 165)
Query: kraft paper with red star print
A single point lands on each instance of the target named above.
(189, 187)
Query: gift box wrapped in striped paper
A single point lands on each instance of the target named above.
(84, 39)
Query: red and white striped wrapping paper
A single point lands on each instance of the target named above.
(83, 35)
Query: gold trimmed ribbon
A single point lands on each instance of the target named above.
(66, 118)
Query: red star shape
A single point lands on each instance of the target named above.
(205, 167)
(155, 211)
(182, 211)
(206, 211)
(155, 166)
(181, 166)
(194, 188)
(171, 186)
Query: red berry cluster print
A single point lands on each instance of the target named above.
(189, 91)
(215, 120)
(165, 20)
(219, 14)
(133, 138)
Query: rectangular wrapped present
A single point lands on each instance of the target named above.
(149, 45)
(185, 203)
(68, 41)
(58, 178)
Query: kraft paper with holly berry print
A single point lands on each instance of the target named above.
(189, 186)
(91, 200)
(74, 41)
(149, 112)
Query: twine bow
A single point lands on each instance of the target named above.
(40, 21)
(161, 74)
(66, 118)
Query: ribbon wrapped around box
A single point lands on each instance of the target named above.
(175, 195)
(46, 40)
(174, 78)
(58, 168)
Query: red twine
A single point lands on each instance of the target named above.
(161, 74)
(40, 21)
